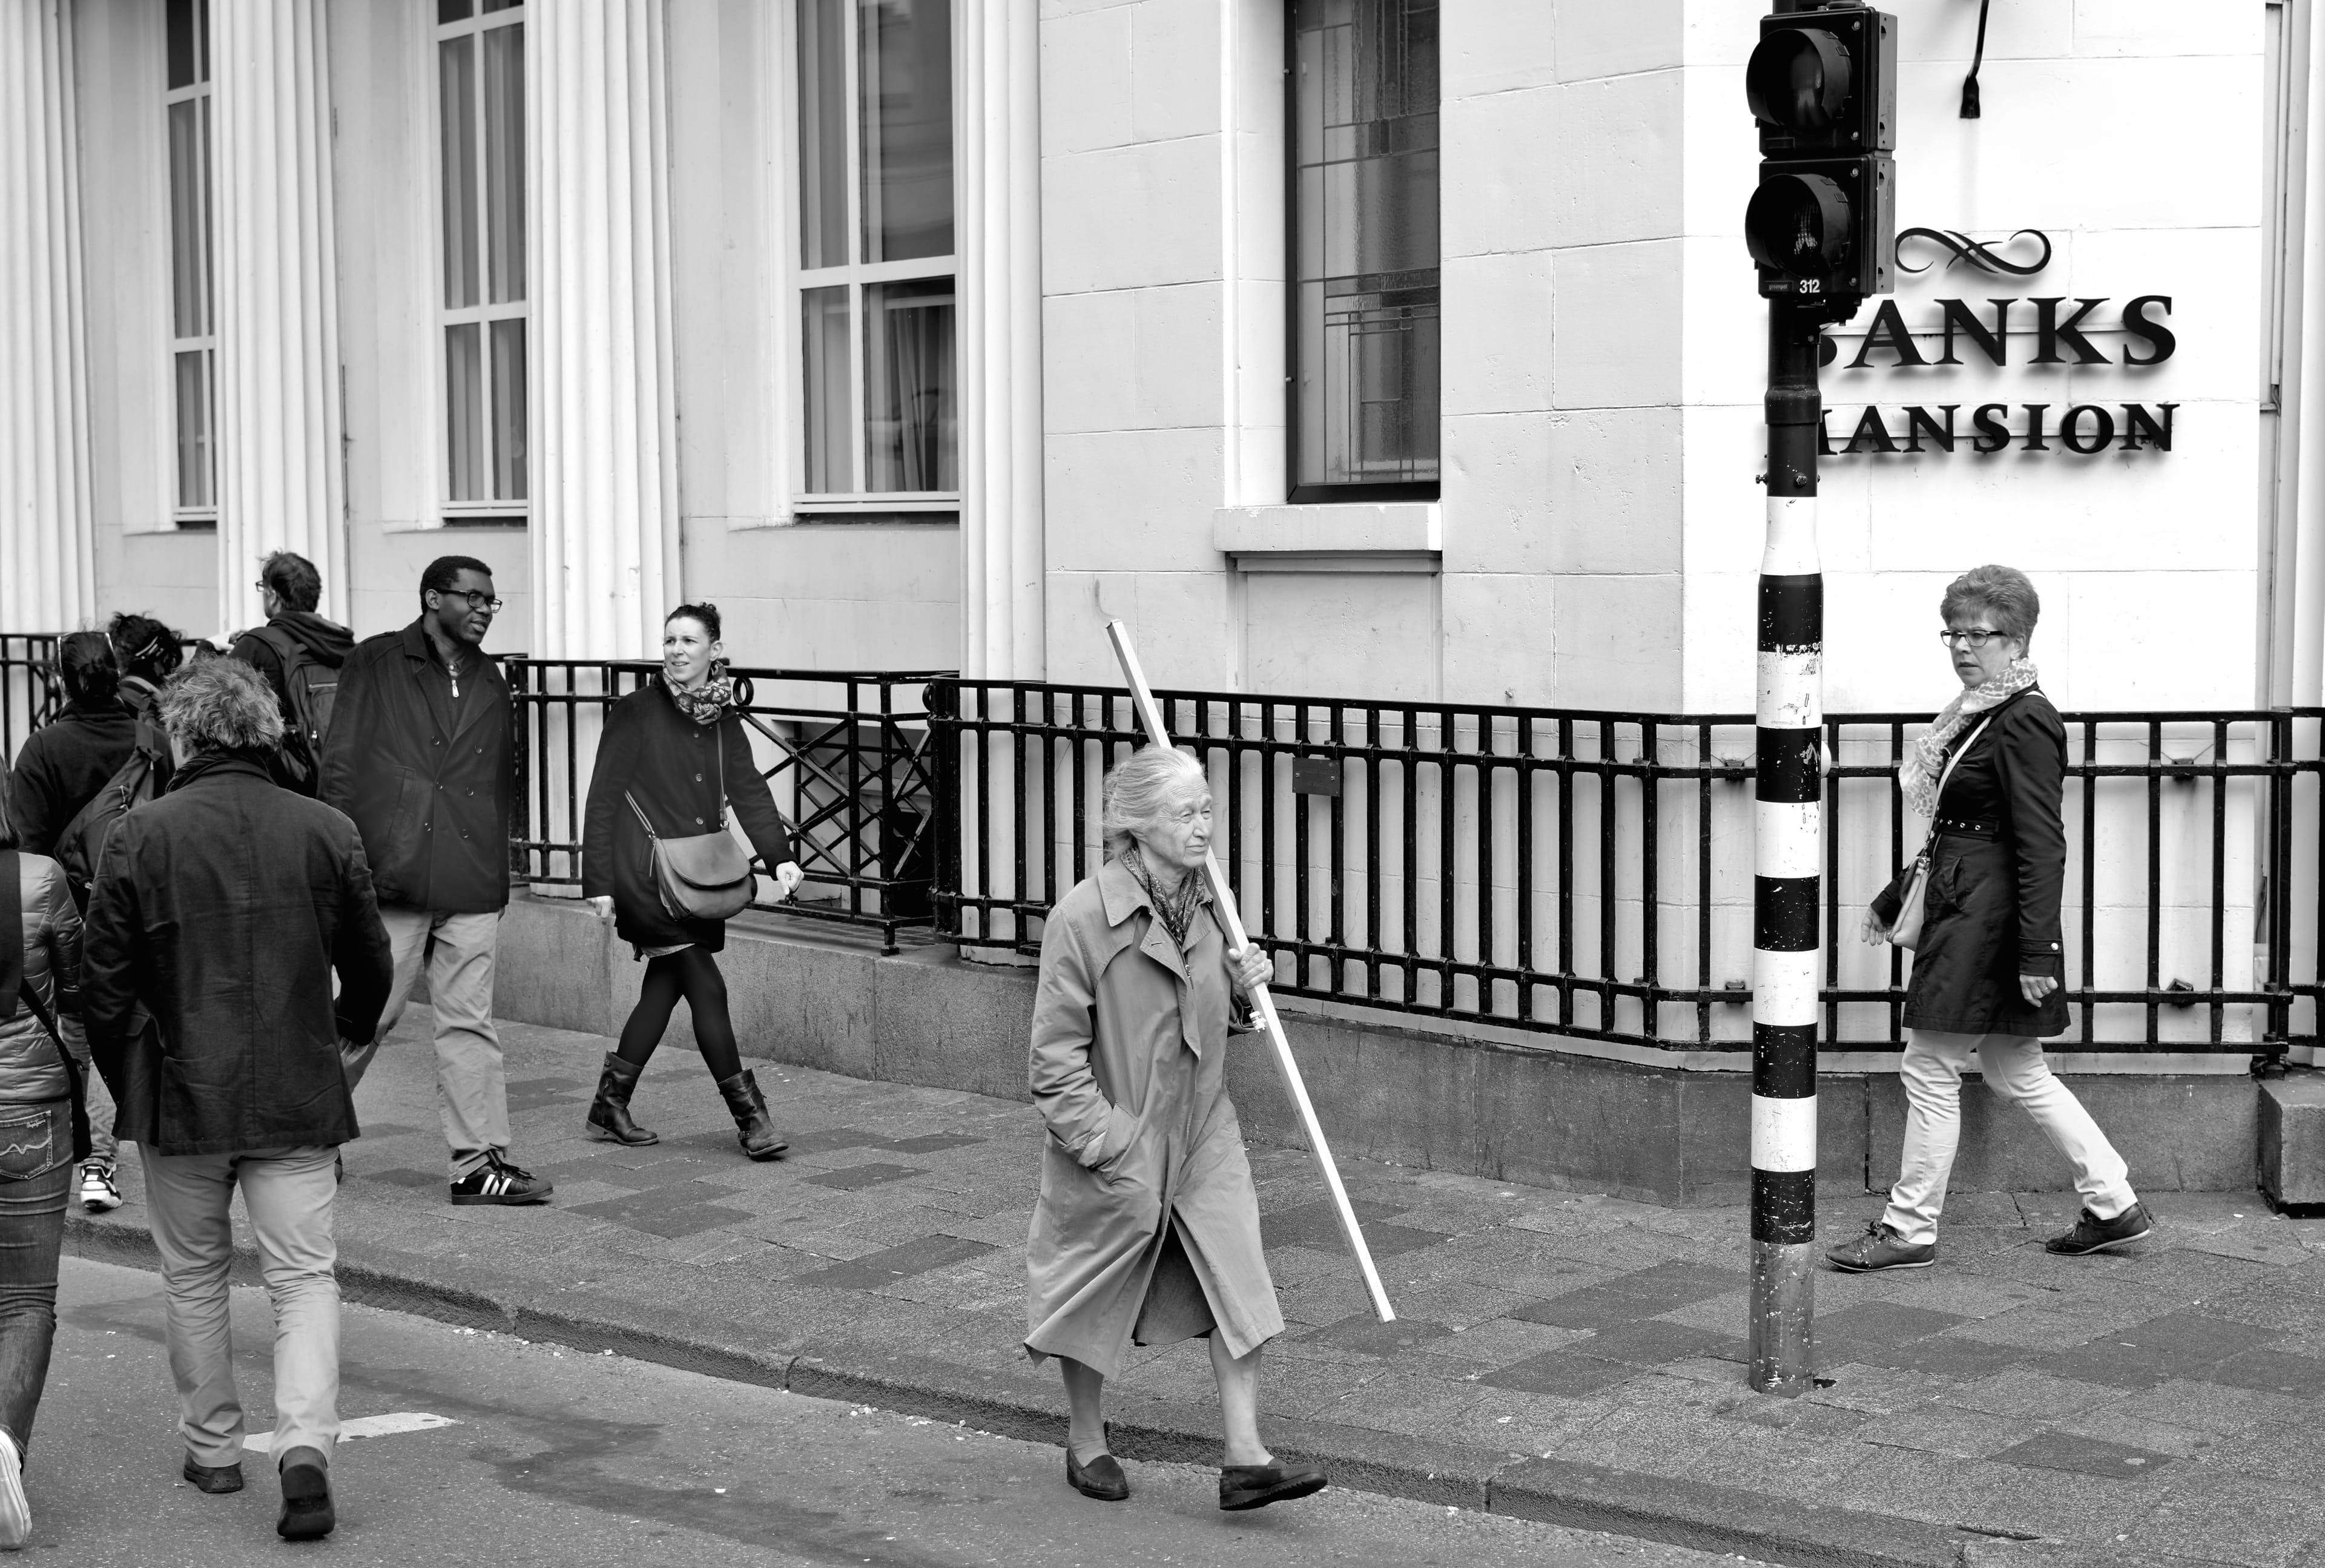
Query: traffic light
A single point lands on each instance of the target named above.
(1824, 86)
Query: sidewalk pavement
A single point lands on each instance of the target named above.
(1560, 1356)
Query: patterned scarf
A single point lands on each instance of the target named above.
(709, 702)
(1925, 759)
(1177, 911)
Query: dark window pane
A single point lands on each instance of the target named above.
(493, 5)
(823, 132)
(178, 25)
(508, 410)
(451, 11)
(505, 160)
(456, 104)
(911, 415)
(823, 347)
(193, 390)
(1364, 251)
(464, 411)
(189, 217)
(905, 75)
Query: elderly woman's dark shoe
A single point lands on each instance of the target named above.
(1254, 1485)
(1102, 1478)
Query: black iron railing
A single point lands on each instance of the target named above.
(1590, 873)
(29, 694)
(847, 756)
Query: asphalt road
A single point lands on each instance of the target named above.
(563, 1458)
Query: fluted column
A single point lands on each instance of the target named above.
(999, 150)
(605, 525)
(47, 577)
(278, 422)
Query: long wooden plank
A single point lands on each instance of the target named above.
(1150, 714)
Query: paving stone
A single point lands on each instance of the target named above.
(2213, 1407)
(1944, 1429)
(855, 1178)
(1653, 1342)
(659, 1214)
(2272, 1371)
(2177, 1345)
(1318, 1224)
(1561, 1372)
(1627, 1297)
(871, 1270)
(2025, 1390)
(1366, 1335)
(2059, 1449)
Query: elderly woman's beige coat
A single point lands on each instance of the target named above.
(1129, 1041)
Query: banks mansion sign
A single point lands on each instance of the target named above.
(2038, 328)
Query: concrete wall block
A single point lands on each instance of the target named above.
(1498, 158)
(1383, 625)
(1087, 81)
(1140, 216)
(1495, 48)
(1498, 643)
(1089, 347)
(1498, 325)
(1616, 326)
(1615, 165)
(1175, 46)
(2177, 1134)
(1185, 622)
(551, 965)
(1597, 39)
(2292, 1140)
(1617, 642)
(802, 1002)
(949, 1025)
(1134, 500)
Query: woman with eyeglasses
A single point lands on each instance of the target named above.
(1987, 966)
(673, 758)
(1147, 1228)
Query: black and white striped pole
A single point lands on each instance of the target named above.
(1788, 851)
(1822, 228)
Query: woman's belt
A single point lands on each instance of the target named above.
(1967, 830)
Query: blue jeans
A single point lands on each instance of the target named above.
(36, 1172)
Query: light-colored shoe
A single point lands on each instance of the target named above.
(16, 1512)
(99, 1192)
(1879, 1249)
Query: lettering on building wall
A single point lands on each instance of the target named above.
(2005, 332)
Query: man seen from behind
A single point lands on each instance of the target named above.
(298, 653)
(217, 917)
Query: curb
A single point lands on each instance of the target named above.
(1570, 1493)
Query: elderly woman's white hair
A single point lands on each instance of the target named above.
(1139, 792)
(221, 705)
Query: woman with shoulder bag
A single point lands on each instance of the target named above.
(43, 1131)
(657, 861)
(1979, 907)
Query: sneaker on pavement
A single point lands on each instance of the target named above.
(1878, 1248)
(16, 1512)
(99, 1192)
(496, 1180)
(2093, 1234)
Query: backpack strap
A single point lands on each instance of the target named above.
(12, 932)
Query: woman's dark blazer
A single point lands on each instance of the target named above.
(1998, 863)
(665, 759)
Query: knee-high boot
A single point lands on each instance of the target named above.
(752, 1129)
(609, 1114)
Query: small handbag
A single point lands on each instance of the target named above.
(703, 876)
(1905, 931)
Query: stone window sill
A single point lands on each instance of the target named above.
(1345, 536)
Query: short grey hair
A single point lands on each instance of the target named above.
(1140, 790)
(2004, 592)
(221, 705)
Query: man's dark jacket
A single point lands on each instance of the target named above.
(62, 765)
(218, 915)
(326, 642)
(430, 800)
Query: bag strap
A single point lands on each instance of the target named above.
(11, 898)
(648, 826)
(642, 816)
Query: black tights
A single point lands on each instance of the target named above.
(693, 974)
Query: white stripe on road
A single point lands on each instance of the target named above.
(361, 1426)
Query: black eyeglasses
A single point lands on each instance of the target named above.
(477, 601)
(1976, 640)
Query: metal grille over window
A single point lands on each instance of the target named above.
(880, 407)
(481, 216)
(1364, 249)
(193, 306)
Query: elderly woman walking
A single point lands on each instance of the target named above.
(1987, 967)
(1147, 1230)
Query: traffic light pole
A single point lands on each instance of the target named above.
(1788, 834)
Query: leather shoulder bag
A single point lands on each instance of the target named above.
(1906, 932)
(703, 876)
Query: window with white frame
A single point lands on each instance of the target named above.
(879, 430)
(193, 318)
(481, 233)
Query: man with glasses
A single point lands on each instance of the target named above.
(417, 754)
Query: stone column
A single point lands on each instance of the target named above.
(999, 157)
(605, 513)
(47, 576)
(279, 473)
